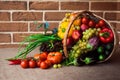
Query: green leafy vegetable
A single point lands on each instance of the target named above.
(33, 42)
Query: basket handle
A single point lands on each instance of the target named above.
(87, 13)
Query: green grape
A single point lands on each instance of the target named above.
(75, 47)
(81, 47)
(98, 29)
(89, 33)
(76, 55)
(78, 51)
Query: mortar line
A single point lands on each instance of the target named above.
(59, 5)
(90, 6)
(11, 16)
(28, 26)
(43, 16)
(28, 5)
(11, 34)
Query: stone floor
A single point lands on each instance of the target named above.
(109, 70)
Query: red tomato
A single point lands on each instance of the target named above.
(55, 57)
(48, 62)
(24, 64)
(32, 64)
(43, 65)
(97, 26)
(91, 23)
(38, 63)
(43, 56)
(85, 20)
(101, 23)
(37, 56)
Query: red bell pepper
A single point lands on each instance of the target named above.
(106, 35)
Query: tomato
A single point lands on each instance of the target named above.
(97, 26)
(101, 23)
(48, 62)
(32, 63)
(24, 64)
(85, 20)
(38, 63)
(44, 65)
(37, 56)
(91, 23)
(43, 56)
(55, 57)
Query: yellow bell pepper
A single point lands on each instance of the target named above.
(62, 28)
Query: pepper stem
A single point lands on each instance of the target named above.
(105, 34)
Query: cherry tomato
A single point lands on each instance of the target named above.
(43, 56)
(97, 26)
(38, 63)
(48, 62)
(37, 56)
(85, 20)
(101, 23)
(24, 64)
(44, 65)
(32, 63)
(91, 23)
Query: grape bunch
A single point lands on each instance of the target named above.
(51, 46)
(89, 33)
(82, 46)
(79, 48)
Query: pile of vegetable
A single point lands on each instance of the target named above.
(90, 40)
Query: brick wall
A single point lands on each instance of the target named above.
(17, 17)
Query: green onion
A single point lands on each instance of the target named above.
(33, 42)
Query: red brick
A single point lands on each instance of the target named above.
(13, 5)
(105, 6)
(5, 38)
(19, 37)
(33, 27)
(44, 6)
(98, 14)
(119, 36)
(4, 16)
(74, 5)
(54, 16)
(27, 16)
(116, 26)
(112, 16)
(13, 27)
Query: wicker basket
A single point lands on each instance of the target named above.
(90, 13)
